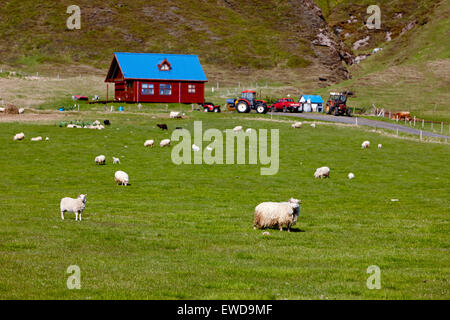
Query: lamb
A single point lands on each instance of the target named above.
(313, 125)
(322, 172)
(116, 160)
(149, 143)
(195, 148)
(19, 136)
(47, 138)
(365, 145)
(36, 139)
(73, 205)
(237, 128)
(380, 146)
(297, 125)
(281, 214)
(100, 159)
(174, 115)
(164, 143)
(351, 175)
(121, 178)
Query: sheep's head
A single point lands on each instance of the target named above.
(82, 197)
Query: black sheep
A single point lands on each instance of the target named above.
(162, 126)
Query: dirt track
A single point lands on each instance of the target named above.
(365, 122)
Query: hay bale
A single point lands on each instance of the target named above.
(11, 109)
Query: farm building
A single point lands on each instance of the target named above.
(311, 103)
(155, 77)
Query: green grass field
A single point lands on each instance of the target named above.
(185, 232)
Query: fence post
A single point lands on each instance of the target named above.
(397, 119)
(420, 135)
(397, 132)
(414, 121)
(442, 127)
(423, 123)
(356, 120)
(432, 126)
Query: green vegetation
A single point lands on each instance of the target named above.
(185, 232)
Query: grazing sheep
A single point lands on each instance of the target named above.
(313, 125)
(162, 126)
(365, 145)
(19, 136)
(116, 160)
(2, 109)
(21, 110)
(380, 146)
(174, 115)
(164, 143)
(281, 214)
(351, 175)
(237, 128)
(107, 122)
(96, 123)
(195, 148)
(121, 178)
(100, 159)
(149, 143)
(296, 125)
(73, 205)
(73, 126)
(322, 172)
(36, 138)
(47, 138)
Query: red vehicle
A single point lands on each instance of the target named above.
(246, 102)
(210, 107)
(286, 104)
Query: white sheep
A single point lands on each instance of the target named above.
(116, 160)
(174, 115)
(313, 125)
(19, 136)
(237, 128)
(121, 178)
(164, 143)
(281, 214)
(149, 143)
(36, 138)
(2, 109)
(351, 175)
(380, 146)
(322, 172)
(96, 123)
(297, 125)
(248, 130)
(365, 145)
(100, 159)
(195, 148)
(47, 138)
(73, 205)
(21, 110)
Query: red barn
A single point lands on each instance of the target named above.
(156, 77)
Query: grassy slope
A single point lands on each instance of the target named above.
(186, 231)
(411, 73)
(221, 35)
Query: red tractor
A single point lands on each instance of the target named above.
(337, 104)
(247, 102)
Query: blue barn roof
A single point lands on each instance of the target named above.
(145, 66)
(313, 98)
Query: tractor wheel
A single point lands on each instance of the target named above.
(261, 108)
(242, 107)
(216, 110)
(284, 109)
(205, 109)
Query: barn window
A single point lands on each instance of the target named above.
(165, 89)
(164, 66)
(191, 88)
(147, 88)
